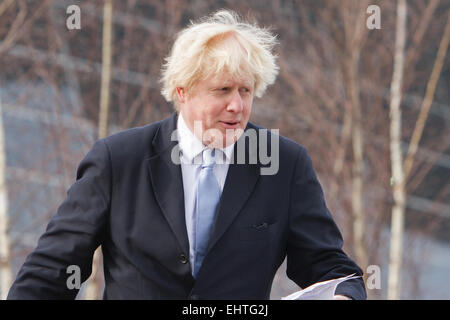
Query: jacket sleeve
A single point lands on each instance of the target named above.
(314, 251)
(72, 235)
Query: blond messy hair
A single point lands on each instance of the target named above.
(219, 43)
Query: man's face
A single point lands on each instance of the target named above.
(222, 104)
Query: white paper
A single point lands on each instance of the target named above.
(319, 291)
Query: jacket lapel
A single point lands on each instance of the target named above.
(239, 184)
(167, 181)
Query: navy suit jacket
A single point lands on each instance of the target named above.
(128, 197)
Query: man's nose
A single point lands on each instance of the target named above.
(236, 104)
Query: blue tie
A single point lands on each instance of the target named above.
(208, 196)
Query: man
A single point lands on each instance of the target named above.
(188, 207)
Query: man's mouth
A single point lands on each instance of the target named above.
(230, 124)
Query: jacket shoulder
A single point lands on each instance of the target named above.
(137, 140)
(286, 145)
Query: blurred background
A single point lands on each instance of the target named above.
(365, 90)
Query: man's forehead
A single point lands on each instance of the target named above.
(229, 78)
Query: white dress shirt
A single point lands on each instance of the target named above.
(191, 158)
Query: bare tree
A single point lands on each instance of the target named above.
(355, 33)
(93, 287)
(398, 209)
(5, 241)
(428, 100)
(5, 250)
(400, 170)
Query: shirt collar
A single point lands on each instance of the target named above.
(190, 145)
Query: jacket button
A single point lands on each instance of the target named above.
(183, 258)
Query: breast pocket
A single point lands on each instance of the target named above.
(256, 232)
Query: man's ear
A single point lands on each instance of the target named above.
(181, 94)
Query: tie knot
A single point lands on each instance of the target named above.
(209, 159)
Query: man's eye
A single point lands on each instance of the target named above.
(224, 89)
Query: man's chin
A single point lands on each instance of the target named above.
(222, 139)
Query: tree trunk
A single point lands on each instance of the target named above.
(398, 210)
(357, 179)
(356, 33)
(106, 69)
(5, 248)
(93, 287)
